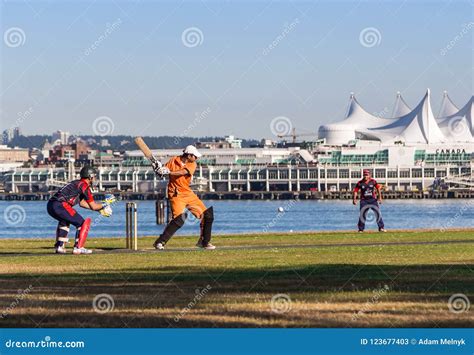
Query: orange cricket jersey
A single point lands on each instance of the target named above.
(180, 184)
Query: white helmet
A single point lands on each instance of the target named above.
(191, 149)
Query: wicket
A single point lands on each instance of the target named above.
(131, 225)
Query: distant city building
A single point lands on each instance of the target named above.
(10, 134)
(228, 142)
(61, 136)
(13, 154)
(229, 156)
(233, 142)
(108, 158)
(77, 151)
(104, 143)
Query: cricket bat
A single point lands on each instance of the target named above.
(147, 151)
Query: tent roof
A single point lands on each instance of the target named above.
(448, 108)
(418, 126)
(358, 117)
(400, 108)
(459, 126)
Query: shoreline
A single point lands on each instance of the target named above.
(257, 195)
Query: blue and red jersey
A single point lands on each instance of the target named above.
(74, 192)
(367, 189)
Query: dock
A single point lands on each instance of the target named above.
(257, 195)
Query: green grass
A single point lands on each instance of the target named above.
(332, 279)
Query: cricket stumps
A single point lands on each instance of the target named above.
(131, 225)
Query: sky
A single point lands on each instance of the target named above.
(245, 68)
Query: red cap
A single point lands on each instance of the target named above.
(365, 172)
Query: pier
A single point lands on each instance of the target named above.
(258, 195)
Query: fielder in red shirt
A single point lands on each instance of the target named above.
(370, 199)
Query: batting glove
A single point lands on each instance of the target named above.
(110, 199)
(163, 171)
(156, 165)
(106, 211)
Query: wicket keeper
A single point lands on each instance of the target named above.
(370, 198)
(60, 207)
(180, 170)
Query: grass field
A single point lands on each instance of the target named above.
(396, 279)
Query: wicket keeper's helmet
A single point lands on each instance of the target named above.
(87, 172)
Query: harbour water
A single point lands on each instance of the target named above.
(29, 219)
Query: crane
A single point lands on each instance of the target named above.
(293, 135)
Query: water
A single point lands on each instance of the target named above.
(29, 219)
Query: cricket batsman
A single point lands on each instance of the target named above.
(370, 198)
(180, 170)
(61, 207)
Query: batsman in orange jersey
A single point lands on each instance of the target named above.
(180, 170)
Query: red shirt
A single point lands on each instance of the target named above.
(74, 192)
(367, 189)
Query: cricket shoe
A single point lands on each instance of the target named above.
(78, 251)
(60, 250)
(209, 246)
(159, 246)
(383, 230)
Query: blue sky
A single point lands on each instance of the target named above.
(254, 61)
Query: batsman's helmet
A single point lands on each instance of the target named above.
(191, 149)
(87, 172)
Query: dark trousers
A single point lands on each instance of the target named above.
(365, 206)
(65, 215)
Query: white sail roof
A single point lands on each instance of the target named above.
(400, 108)
(418, 126)
(448, 108)
(458, 127)
(357, 116)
